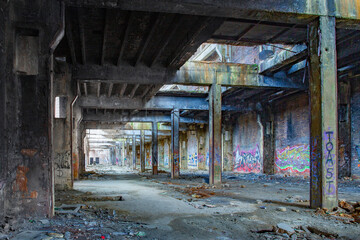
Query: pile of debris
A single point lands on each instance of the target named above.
(199, 192)
(284, 230)
(348, 212)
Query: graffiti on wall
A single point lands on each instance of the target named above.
(204, 158)
(247, 161)
(166, 154)
(192, 151)
(193, 160)
(62, 162)
(293, 159)
(357, 148)
(148, 157)
(330, 164)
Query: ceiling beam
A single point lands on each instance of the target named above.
(111, 85)
(156, 103)
(153, 25)
(133, 91)
(85, 89)
(192, 73)
(203, 29)
(284, 59)
(125, 36)
(231, 8)
(82, 34)
(123, 89)
(106, 26)
(70, 41)
(143, 117)
(173, 28)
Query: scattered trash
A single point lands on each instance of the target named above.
(281, 209)
(65, 208)
(263, 207)
(141, 234)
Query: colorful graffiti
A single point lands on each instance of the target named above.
(193, 160)
(247, 161)
(192, 151)
(204, 158)
(357, 148)
(166, 154)
(293, 159)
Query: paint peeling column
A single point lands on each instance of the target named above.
(323, 107)
(154, 145)
(175, 148)
(142, 151)
(215, 152)
(134, 151)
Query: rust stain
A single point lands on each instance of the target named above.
(21, 179)
(29, 152)
(75, 166)
(34, 194)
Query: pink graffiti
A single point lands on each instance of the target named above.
(247, 161)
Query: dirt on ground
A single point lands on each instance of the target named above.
(117, 203)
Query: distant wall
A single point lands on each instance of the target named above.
(292, 135)
(247, 143)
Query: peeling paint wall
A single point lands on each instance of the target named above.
(247, 141)
(192, 150)
(292, 134)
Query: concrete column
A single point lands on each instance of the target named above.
(122, 153)
(268, 149)
(175, 148)
(154, 145)
(134, 151)
(127, 152)
(215, 152)
(324, 117)
(142, 151)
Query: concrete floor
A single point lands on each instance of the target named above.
(160, 208)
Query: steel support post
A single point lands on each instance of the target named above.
(324, 114)
(134, 151)
(175, 147)
(215, 152)
(142, 151)
(154, 145)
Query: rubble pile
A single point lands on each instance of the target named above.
(348, 212)
(285, 231)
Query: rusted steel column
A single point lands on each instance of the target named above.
(215, 152)
(154, 145)
(134, 151)
(142, 151)
(324, 117)
(175, 148)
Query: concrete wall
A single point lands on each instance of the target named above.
(28, 172)
(103, 155)
(355, 130)
(292, 135)
(247, 144)
(62, 129)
